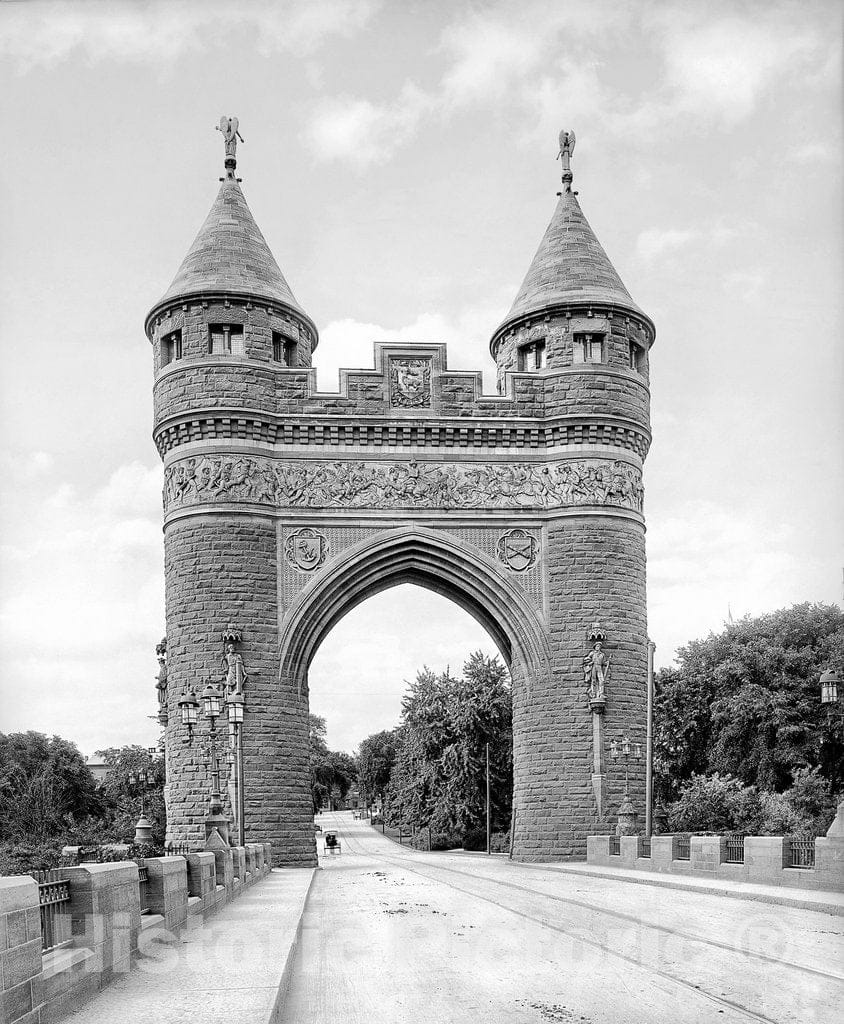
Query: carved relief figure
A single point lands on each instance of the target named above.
(401, 484)
(596, 667)
(410, 383)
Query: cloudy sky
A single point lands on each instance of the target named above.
(399, 158)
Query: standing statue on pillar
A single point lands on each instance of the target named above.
(228, 126)
(232, 662)
(567, 141)
(161, 680)
(596, 668)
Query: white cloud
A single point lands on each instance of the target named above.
(747, 283)
(82, 606)
(362, 133)
(46, 32)
(707, 556)
(349, 343)
(656, 242)
(720, 68)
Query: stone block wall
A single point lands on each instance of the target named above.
(221, 570)
(167, 890)
(21, 984)
(596, 573)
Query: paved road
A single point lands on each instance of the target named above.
(391, 935)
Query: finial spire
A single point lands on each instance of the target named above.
(228, 126)
(567, 140)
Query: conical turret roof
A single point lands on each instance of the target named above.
(230, 256)
(570, 266)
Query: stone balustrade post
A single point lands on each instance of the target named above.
(598, 850)
(105, 913)
(21, 984)
(168, 890)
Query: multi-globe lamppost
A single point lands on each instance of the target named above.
(213, 697)
(830, 683)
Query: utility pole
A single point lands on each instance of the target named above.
(488, 818)
(649, 744)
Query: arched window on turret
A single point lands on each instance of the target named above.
(225, 340)
(532, 356)
(588, 348)
(284, 349)
(171, 347)
(636, 355)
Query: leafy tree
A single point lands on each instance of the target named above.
(124, 800)
(744, 703)
(717, 803)
(439, 775)
(375, 759)
(331, 770)
(43, 782)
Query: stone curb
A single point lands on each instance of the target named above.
(287, 970)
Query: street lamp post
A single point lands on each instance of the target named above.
(212, 706)
(830, 684)
(649, 744)
(627, 812)
(139, 782)
(234, 707)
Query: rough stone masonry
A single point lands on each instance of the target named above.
(284, 507)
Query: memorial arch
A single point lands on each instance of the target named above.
(284, 507)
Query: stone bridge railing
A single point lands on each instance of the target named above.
(111, 921)
(764, 860)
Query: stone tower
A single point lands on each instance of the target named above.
(285, 507)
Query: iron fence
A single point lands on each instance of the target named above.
(644, 846)
(177, 850)
(801, 853)
(615, 846)
(143, 887)
(734, 850)
(682, 847)
(54, 904)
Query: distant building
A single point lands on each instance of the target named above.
(99, 769)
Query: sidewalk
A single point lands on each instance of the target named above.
(232, 970)
(802, 899)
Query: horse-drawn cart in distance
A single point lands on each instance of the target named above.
(332, 843)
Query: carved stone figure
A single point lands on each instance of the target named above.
(161, 678)
(236, 674)
(228, 126)
(517, 549)
(410, 383)
(260, 480)
(596, 666)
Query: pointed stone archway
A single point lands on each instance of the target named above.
(285, 506)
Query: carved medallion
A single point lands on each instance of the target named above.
(518, 550)
(306, 549)
(410, 383)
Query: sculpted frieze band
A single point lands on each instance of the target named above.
(259, 480)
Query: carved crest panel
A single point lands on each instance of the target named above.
(518, 550)
(410, 383)
(307, 549)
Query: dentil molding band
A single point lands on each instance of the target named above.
(208, 479)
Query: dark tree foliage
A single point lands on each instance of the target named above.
(745, 703)
(439, 776)
(332, 772)
(375, 759)
(43, 781)
(124, 800)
